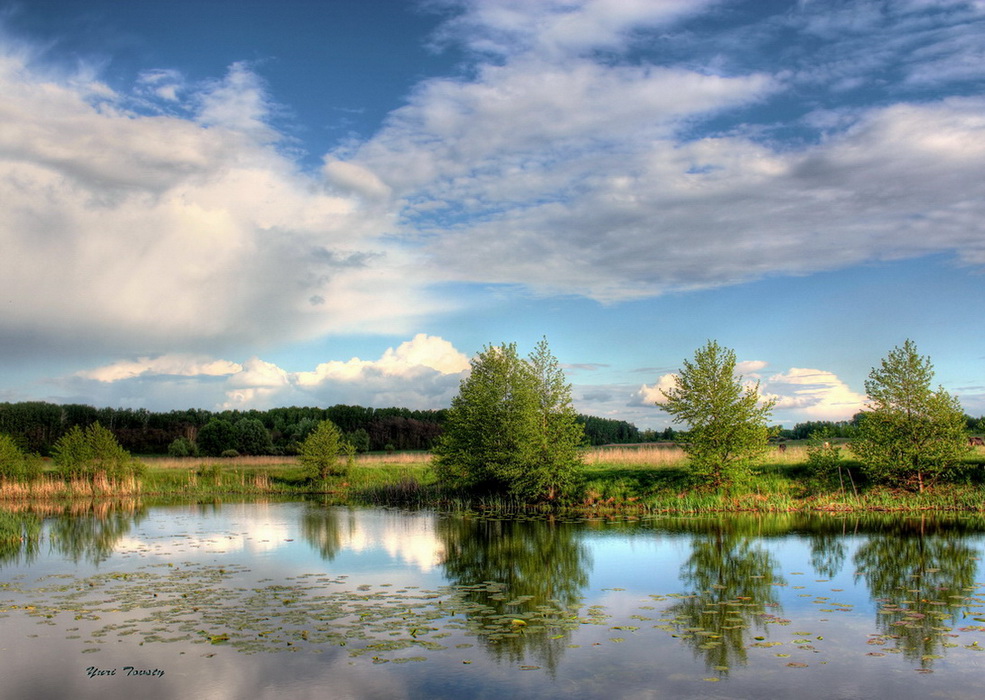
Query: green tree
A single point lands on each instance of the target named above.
(560, 436)
(511, 428)
(728, 421)
(252, 438)
(909, 434)
(320, 454)
(14, 464)
(92, 453)
(216, 436)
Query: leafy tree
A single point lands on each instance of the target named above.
(14, 464)
(182, 447)
(560, 436)
(252, 437)
(92, 453)
(360, 440)
(216, 436)
(511, 428)
(320, 453)
(728, 421)
(909, 434)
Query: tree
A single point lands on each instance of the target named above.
(728, 421)
(216, 436)
(252, 437)
(560, 435)
(511, 428)
(92, 453)
(320, 452)
(14, 464)
(909, 434)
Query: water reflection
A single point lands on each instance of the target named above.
(88, 531)
(922, 576)
(733, 581)
(523, 581)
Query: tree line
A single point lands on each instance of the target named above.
(36, 427)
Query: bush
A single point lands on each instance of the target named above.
(728, 420)
(909, 435)
(229, 454)
(93, 452)
(14, 464)
(216, 436)
(320, 453)
(824, 461)
(182, 447)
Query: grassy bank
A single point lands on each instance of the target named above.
(650, 479)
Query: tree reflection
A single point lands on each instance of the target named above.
(322, 529)
(733, 579)
(921, 574)
(520, 583)
(93, 534)
(20, 536)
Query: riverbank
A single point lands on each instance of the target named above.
(644, 480)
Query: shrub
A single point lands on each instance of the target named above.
(14, 464)
(93, 452)
(320, 453)
(728, 421)
(182, 447)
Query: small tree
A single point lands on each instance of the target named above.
(216, 436)
(909, 434)
(182, 447)
(728, 421)
(93, 453)
(511, 428)
(321, 451)
(252, 437)
(560, 435)
(14, 464)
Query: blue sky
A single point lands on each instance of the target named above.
(253, 204)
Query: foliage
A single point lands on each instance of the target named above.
(606, 431)
(511, 428)
(321, 451)
(359, 440)
(252, 437)
(557, 459)
(216, 436)
(728, 422)
(182, 447)
(909, 434)
(93, 452)
(14, 464)
(824, 460)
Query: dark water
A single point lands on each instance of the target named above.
(303, 601)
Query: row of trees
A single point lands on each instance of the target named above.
(909, 434)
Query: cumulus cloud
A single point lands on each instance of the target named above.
(421, 373)
(813, 394)
(800, 394)
(176, 365)
(182, 229)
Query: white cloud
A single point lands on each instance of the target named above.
(800, 394)
(127, 231)
(180, 365)
(812, 394)
(421, 373)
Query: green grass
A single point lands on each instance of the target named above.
(645, 480)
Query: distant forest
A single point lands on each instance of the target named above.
(37, 425)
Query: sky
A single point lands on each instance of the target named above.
(256, 203)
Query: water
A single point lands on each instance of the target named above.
(299, 600)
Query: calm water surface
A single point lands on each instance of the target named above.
(305, 601)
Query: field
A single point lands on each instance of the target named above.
(637, 478)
